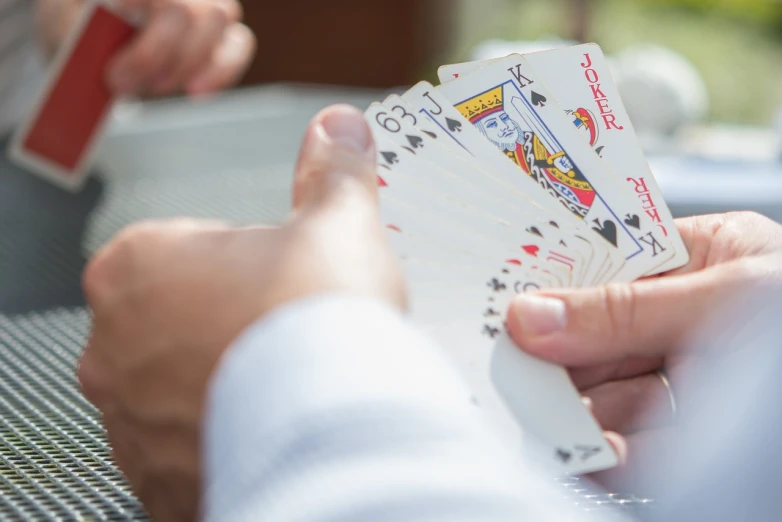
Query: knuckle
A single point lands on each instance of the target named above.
(95, 384)
(94, 278)
(100, 277)
(737, 236)
(218, 15)
(618, 304)
(144, 57)
(232, 10)
(115, 262)
(236, 10)
(186, 13)
(748, 271)
(748, 216)
(137, 235)
(737, 224)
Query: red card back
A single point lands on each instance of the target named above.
(79, 100)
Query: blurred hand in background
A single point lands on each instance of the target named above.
(195, 47)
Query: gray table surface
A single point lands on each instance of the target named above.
(231, 158)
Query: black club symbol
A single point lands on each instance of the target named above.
(497, 285)
(564, 455)
(491, 312)
(490, 331)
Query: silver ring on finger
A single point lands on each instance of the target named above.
(671, 396)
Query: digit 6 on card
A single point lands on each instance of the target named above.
(59, 137)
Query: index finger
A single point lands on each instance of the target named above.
(610, 324)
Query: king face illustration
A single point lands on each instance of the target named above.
(551, 169)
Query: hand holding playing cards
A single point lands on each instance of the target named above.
(195, 46)
(614, 338)
(169, 298)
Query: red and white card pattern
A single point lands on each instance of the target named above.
(511, 177)
(58, 139)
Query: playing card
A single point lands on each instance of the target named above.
(580, 79)
(410, 185)
(58, 139)
(430, 103)
(478, 299)
(461, 180)
(453, 71)
(518, 393)
(515, 111)
(489, 188)
(444, 292)
(524, 396)
(439, 235)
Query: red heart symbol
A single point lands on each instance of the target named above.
(514, 262)
(531, 250)
(381, 182)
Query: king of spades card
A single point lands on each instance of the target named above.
(524, 145)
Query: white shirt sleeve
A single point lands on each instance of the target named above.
(336, 408)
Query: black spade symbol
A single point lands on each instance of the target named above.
(490, 331)
(607, 230)
(633, 221)
(497, 285)
(390, 157)
(563, 455)
(491, 312)
(538, 100)
(534, 230)
(415, 141)
(453, 125)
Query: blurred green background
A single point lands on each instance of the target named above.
(735, 44)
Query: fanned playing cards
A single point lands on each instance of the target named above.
(517, 175)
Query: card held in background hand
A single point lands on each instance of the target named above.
(58, 139)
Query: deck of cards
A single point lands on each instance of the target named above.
(516, 175)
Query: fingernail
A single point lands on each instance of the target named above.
(346, 126)
(539, 315)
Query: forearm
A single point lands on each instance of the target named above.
(337, 408)
(54, 18)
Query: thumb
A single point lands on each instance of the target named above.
(337, 161)
(648, 318)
